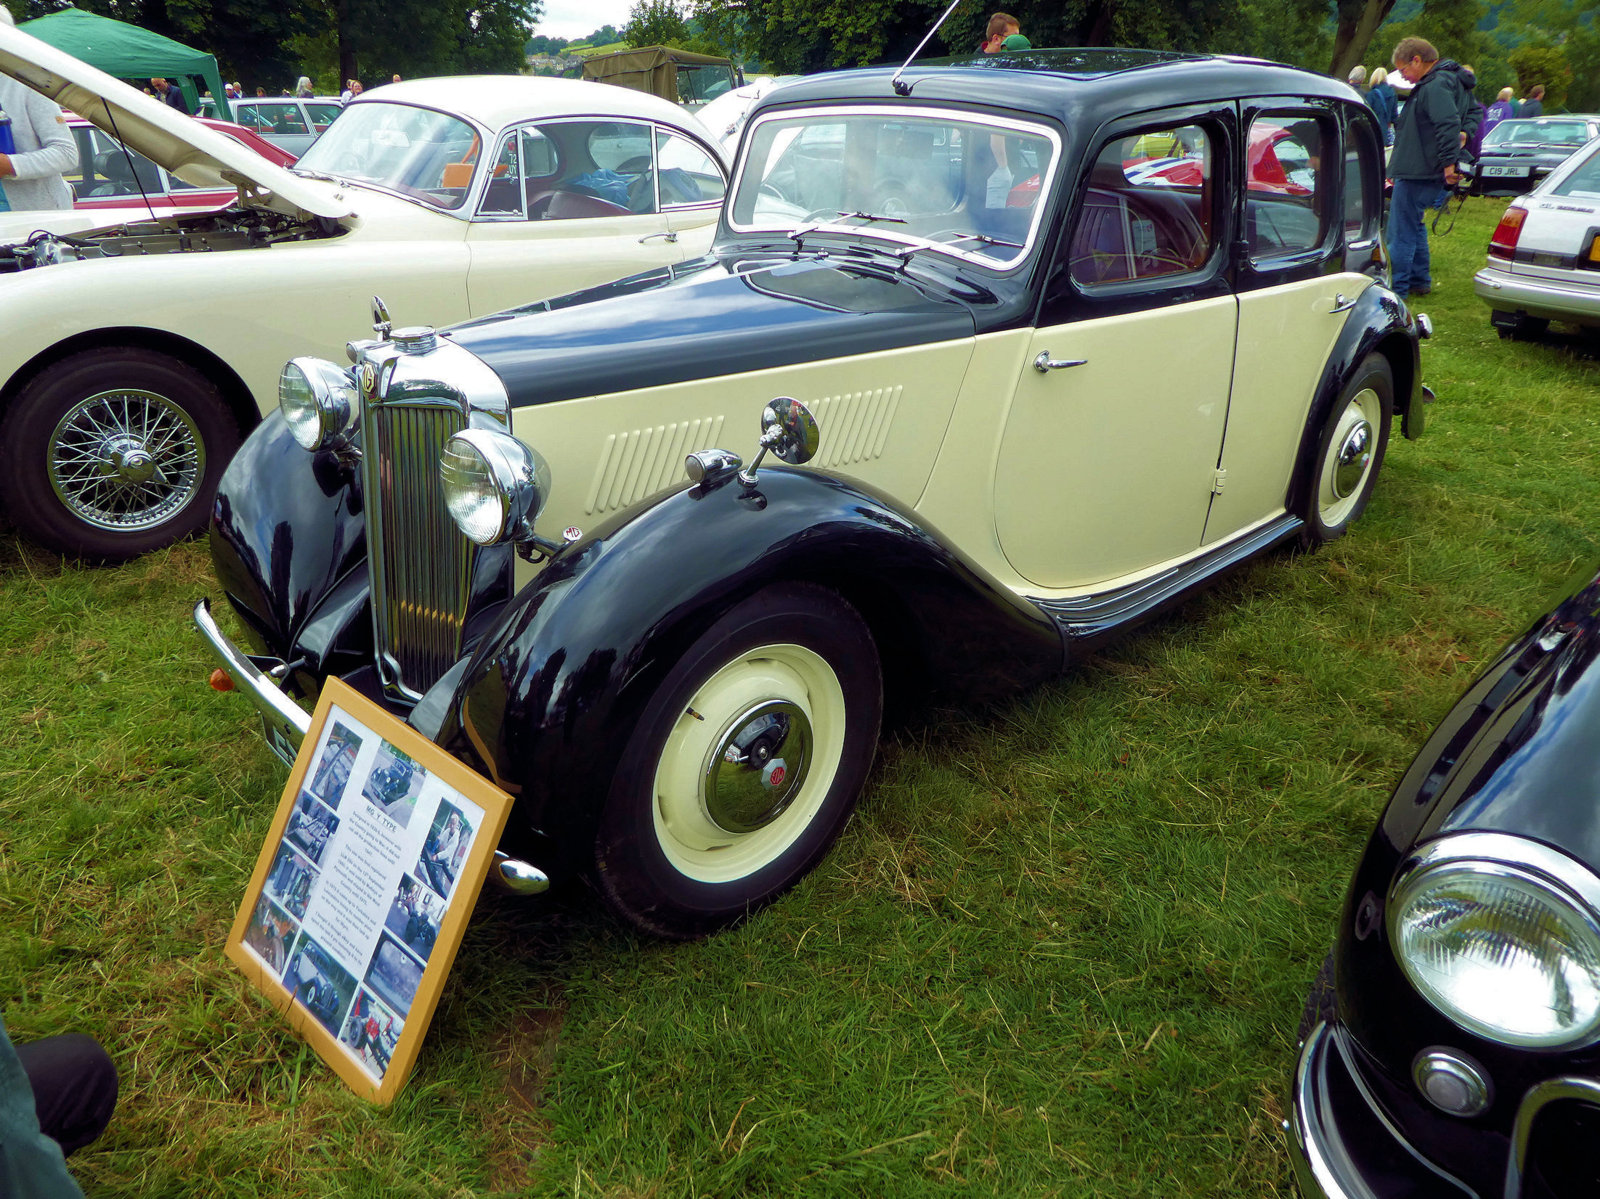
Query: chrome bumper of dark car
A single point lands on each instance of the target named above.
(284, 722)
(1340, 1144)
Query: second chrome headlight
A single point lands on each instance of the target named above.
(494, 486)
(319, 402)
(1491, 931)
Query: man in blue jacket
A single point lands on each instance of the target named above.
(1428, 141)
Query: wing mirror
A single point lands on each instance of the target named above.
(787, 429)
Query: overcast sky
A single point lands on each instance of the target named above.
(579, 18)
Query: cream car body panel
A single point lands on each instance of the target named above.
(1112, 512)
(883, 420)
(1272, 396)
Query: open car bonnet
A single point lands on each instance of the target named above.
(180, 144)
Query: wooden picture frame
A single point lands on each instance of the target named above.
(361, 894)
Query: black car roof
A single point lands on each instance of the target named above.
(1064, 82)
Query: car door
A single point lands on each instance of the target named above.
(1291, 305)
(1108, 457)
(569, 204)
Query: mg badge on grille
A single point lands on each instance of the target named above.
(369, 378)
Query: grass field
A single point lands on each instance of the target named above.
(1061, 950)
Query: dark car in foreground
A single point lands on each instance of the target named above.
(1054, 392)
(1452, 1043)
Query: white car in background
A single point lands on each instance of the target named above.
(1544, 256)
(135, 359)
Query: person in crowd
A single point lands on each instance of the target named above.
(170, 94)
(1384, 103)
(56, 1096)
(1428, 140)
(1358, 78)
(1533, 106)
(352, 89)
(36, 147)
(395, 78)
(302, 86)
(1004, 33)
(1503, 108)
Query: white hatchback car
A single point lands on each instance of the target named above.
(134, 361)
(1544, 257)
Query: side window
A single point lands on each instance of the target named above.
(109, 170)
(1147, 212)
(1286, 200)
(249, 116)
(1363, 184)
(322, 115)
(520, 175)
(286, 118)
(610, 171)
(685, 173)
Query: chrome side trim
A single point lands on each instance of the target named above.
(286, 723)
(1533, 1103)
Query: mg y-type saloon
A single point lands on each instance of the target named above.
(963, 387)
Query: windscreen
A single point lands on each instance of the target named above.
(424, 155)
(962, 186)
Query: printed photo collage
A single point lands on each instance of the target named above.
(367, 809)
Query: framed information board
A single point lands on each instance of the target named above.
(361, 894)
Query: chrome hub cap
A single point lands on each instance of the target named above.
(748, 763)
(1355, 452)
(759, 767)
(1347, 464)
(126, 460)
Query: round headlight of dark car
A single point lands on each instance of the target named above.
(1502, 948)
(494, 486)
(318, 401)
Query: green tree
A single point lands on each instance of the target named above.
(1545, 65)
(656, 23)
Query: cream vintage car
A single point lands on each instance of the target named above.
(1051, 391)
(135, 360)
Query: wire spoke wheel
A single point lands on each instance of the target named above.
(126, 460)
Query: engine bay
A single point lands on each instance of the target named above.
(208, 233)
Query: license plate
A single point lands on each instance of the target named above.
(1503, 171)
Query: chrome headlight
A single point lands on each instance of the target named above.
(1502, 935)
(319, 401)
(494, 485)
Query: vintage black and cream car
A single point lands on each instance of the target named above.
(972, 378)
(1452, 1041)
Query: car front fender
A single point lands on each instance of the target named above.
(552, 695)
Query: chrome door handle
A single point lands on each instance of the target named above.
(1044, 364)
(671, 235)
(1340, 304)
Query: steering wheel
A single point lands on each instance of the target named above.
(774, 192)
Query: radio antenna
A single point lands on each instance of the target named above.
(901, 87)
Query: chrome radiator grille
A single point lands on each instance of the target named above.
(421, 564)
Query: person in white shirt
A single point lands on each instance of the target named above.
(36, 147)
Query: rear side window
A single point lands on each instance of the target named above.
(1147, 210)
(322, 115)
(1286, 185)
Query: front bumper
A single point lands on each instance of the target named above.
(1340, 1143)
(1546, 299)
(284, 722)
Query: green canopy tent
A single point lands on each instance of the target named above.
(129, 52)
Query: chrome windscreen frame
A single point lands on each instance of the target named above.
(447, 389)
(995, 124)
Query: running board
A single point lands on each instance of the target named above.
(1087, 620)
